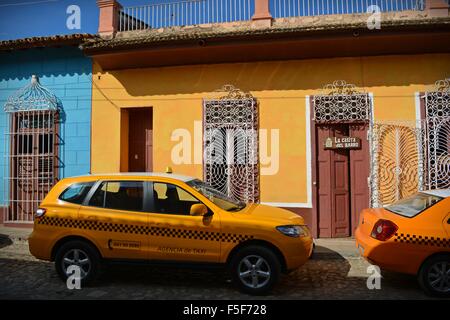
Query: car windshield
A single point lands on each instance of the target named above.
(215, 196)
(413, 205)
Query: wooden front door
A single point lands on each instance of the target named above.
(359, 174)
(140, 140)
(333, 184)
(342, 185)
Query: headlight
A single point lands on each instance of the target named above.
(293, 231)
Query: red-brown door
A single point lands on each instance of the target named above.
(140, 140)
(333, 196)
(359, 174)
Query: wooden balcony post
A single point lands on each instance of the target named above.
(437, 8)
(262, 16)
(108, 22)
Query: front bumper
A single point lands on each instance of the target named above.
(298, 252)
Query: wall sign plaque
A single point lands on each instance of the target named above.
(333, 143)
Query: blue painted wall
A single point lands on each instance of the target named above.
(66, 73)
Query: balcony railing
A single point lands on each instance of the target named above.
(193, 12)
(295, 8)
(181, 13)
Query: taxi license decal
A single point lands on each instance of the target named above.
(124, 244)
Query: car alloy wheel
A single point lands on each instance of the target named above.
(79, 258)
(254, 271)
(439, 277)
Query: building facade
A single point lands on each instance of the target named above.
(326, 116)
(291, 104)
(45, 94)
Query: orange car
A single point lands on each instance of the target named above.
(88, 221)
(411, 236)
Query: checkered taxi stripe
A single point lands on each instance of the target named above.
(422, 240)
(147, 230)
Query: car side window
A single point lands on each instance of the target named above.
(119, 195)
(98, 198)
(171, 199)
(76, 192)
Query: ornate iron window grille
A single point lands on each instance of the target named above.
(415, 155)
(397, 154)
(341, 102)
(231, 141)
(31, 153)
(437, 114)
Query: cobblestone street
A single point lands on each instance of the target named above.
(335, 272)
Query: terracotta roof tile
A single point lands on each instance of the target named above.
(50, 41)
(242, 30)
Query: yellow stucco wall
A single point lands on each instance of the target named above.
(176, 93)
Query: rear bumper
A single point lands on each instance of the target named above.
(386, 255)
(39, 246)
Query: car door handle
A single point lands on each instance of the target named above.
(448, 221)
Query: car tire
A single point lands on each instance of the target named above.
(255, 269)
(81, 254)
(432, 272)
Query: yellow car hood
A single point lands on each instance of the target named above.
(262, 212)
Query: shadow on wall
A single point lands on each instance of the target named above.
(383, 71)
(50, 64)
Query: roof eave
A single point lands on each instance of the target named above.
(99, 46)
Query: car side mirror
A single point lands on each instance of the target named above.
(198, 209)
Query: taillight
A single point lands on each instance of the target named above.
(384, 230)
(39, 213)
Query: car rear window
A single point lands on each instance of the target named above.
(413, 205)
(76, 193)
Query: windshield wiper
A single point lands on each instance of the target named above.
(237, 208)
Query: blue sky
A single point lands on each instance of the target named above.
(31, 18)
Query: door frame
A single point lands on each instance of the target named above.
(314, 176)
(125, 137)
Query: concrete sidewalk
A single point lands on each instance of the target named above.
(15, 234)
(345, 247)
(14, 243)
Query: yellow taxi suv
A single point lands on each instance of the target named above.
(411, 236)
(148, 217)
